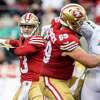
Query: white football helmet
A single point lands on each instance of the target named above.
(30, 20)
(73, 15)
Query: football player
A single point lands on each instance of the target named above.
(91, 32)
(28, 48)
(63, 48)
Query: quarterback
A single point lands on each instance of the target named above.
(28, 48)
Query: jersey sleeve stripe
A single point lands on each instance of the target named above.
(73, 48)
(37, 40)
(32, 42)
(69, 44)
(69, 47)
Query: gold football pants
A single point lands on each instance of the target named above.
(29, 91)
(55, 89)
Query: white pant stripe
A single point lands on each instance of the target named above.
(52, 89)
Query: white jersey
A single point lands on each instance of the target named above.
(91, 32)
(44, 31)
(91, 86)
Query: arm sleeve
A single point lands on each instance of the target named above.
(87, 29)
(25, 50)
(68, 41)
(55, 23)
(37, 41)
(30, 46)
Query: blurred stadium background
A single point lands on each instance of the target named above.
(10, 12)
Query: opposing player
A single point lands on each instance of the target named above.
(91, 32)
(63, 48)
(28, 48)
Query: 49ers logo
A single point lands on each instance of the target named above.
(77, 14)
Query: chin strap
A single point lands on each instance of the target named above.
(65, 24)
(34, 30)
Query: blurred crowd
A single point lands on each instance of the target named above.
(11, 10)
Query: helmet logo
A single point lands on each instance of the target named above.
(27, 17)
(77, 14)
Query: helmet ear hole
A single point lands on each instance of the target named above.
(73, 23)
(69, 10)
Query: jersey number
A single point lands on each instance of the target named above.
(25, 68)
(47, 51)
(63, 36)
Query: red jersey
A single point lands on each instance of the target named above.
(28, 51)
(60, 39)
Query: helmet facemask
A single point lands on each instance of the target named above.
(29, 21)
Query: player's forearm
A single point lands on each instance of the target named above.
(89, 60)
(24, 50)
(96, 60)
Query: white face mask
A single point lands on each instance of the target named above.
(28, 35)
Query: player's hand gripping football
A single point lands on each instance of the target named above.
(5, 43)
